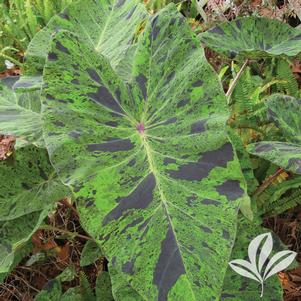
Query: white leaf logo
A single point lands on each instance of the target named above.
(259, 251)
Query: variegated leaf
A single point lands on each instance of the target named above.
(155, 176)
(20, 116)
(29, 188)
(109, 26)
(253, 36)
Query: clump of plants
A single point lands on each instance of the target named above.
(170, 175)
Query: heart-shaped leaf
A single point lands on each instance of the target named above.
(252, 37)
(94, 22)
(285, 112)
(29, 188)
(154, 173)
(20, 116)
(283, 154)
(28, 178)
(90, 253)
(104, 287)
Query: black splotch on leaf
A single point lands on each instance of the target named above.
(94, 75)
(196, 171)
(198, 127)
(140, 198)
(61, 48)
(112, 146)
(130, 13)
(231, 189)
(155, 28)
(142, 80)
(198, 83)
(210, 202)
(128, 267)
(169, 266)
(104, 97)
(52, 56)
(263, 148)
(167, 161)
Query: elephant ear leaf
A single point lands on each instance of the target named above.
(90, 253)
(25, 178)
(104, 287)
(94, 22)
(155, 176)
(253, 36)
(285, 112)
(20, 116)
(286, 155)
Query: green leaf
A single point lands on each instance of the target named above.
(283, 154)
(28, 190)
(285, 112)
(108, 26)
(91, 252)
(28, 178)
(253, 36)
(19, 254)
(104, 287)
(149, 161)
(244, 160)
(14, 234)
(51, 292)
(73, 294)
(236, 287)
(68, 274)
(279, 197)
(20, 116)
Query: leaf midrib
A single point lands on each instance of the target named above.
(156, 174)
(100, 40)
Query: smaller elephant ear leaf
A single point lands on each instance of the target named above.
(28, 178)
(104, 287)
(285, 112)
(20, 116)
(253, 36)
(14, 234)
(91, 252)
(155, 176)
(286, 155)
(52, 291)
(97, 23)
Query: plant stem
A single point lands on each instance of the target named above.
(266, 183)
(52, 228)
(261, 295)
(237, 77)
(65, 202)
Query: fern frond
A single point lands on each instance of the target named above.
(288, 84)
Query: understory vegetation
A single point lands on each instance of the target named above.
(144, 145)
